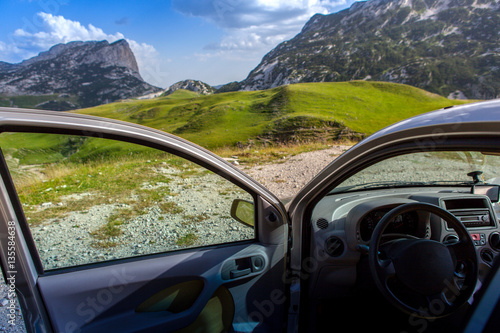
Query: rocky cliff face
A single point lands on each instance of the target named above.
(450, 47)
(95, 72)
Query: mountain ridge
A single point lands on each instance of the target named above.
(449, 47)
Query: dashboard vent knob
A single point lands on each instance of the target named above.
(334, 246)
(451, 239)
(495, 241)
(322, 223)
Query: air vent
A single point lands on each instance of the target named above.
(487, 256)
(322, 223)
(495, 241)
(334, 246)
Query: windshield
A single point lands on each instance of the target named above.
(425, 168)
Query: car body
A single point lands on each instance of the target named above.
(313, 265)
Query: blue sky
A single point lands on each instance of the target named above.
(216, 41)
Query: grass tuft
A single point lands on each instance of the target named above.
(187, 240)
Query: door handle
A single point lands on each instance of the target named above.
(240, 272)
(235, 268)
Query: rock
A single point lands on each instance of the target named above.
(115, 67)
(191, 85)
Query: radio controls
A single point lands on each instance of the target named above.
(475, 220)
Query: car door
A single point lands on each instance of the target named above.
(113, 227)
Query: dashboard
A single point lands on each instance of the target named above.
(403, 224)
(342, 226)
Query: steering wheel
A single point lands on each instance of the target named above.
(442, 277)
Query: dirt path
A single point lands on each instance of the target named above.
(286, 178)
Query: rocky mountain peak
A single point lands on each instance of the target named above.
(94, 52)
(95, 72)
(444, 46)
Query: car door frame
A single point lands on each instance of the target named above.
(28, 264)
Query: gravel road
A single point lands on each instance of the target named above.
(284, 179)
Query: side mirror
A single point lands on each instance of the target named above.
(243, 211)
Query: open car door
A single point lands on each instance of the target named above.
(113, 227)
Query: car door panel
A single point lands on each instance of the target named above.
(99, 299)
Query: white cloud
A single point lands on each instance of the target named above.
(255, 25)
(9, 49)
(251, 28)
(151, 65)
(57, 29)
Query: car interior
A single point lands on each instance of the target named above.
(368, 237)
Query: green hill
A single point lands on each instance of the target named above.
(296, 114)
(293, 113)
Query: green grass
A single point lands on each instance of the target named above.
(126, 175)
(364, 107)
(96, 182)
(187, 240)
(227, 122)
(182, 94)
(29, 101)
(241, 117)
(213, 121)
(311, 114)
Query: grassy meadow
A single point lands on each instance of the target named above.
(56, 174)
(276, 115)
(255, 125)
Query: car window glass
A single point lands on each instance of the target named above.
(89, 200)
(426, 168)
